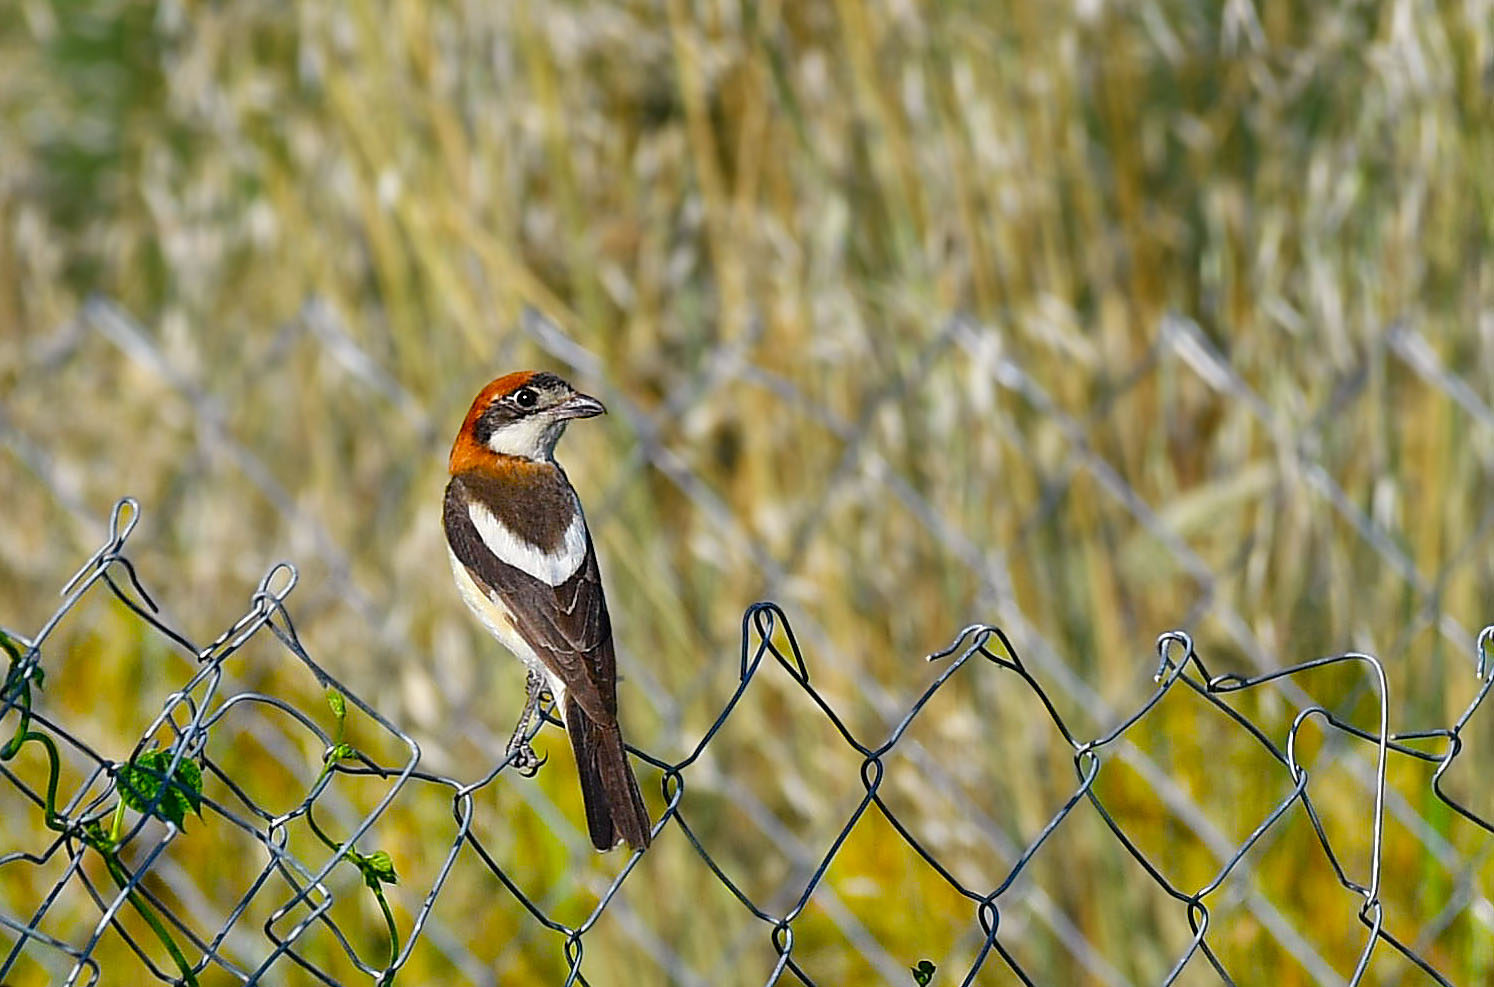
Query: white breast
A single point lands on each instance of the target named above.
(490, 609)
(552, 568)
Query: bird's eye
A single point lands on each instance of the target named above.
(525, 397)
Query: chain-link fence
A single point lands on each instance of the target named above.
(877, 295)
(101, 867)
(112, 820)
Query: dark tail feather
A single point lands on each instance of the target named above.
(614, 806)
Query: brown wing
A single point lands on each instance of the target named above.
(566, 625)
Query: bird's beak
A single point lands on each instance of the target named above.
(581, 406)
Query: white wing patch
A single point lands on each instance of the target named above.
(549, 568)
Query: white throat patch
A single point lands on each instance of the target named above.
(551, 569)
(533, 437)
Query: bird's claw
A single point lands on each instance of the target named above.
(520, 751)
(522, 756)
(531, 764)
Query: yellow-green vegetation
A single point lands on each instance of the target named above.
(790, 244)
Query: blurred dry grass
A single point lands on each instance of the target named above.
(792, 242)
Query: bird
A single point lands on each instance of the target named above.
(524, 564)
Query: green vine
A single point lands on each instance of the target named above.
(377, 867)
(140, 787)
(148, 784)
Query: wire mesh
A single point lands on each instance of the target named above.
(176, 768)
(289, 914)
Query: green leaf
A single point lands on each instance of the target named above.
(144, 778)
(340, 752)
(378, 868)
(337, 704)
(923, 973)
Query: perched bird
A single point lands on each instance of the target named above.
(524, 563)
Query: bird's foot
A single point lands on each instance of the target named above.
(522, 756)
(520, 752)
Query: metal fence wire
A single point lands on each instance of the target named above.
(114, 824)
